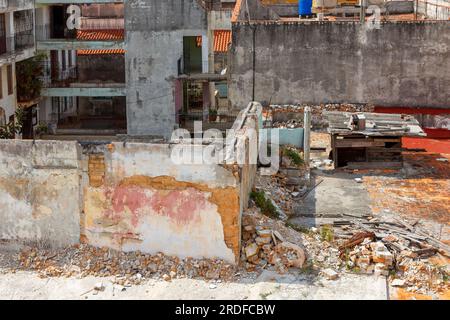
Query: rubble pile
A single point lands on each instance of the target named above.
(406, 267)
(128, 268)
(288, 185)
(290, 124)
(265, 248)
(318, 109)
(283, 196)
(316, 113)
(369, 257)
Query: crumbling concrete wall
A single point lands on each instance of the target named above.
(40, 192)
(154, 42)
(401, 64)
(130, 196)
(137, 198)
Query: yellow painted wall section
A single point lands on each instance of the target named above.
(164, 215)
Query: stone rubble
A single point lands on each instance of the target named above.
(128, 268)
(404, 269)
(317, 119)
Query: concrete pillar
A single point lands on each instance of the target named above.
(205, 54)
(9, 24)
(363, 11)
(307, 135)
(212, 86)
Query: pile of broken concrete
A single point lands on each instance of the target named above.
(263, 248)
(364, 254)
(127, 268)
(370, 257)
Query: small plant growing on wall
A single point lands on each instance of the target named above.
(293, 155)
(13, 127)
(29, 78)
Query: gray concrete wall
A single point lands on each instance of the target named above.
(401, 64)
(40, 192)
(154, 42)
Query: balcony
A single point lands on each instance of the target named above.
(17, 48)
(91, 77)
(60, 38)
(6, 5)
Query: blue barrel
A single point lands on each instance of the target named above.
(304, 7)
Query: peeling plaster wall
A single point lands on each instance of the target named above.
(401, 64)
(148, 203)
(128, 196)
(39, 191)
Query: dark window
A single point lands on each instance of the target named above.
(2, 34)
(63, 59)
(9, 74)
(70, 57)
(1, 83)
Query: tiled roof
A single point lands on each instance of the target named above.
(222, 38)
(100, 51)
(100, 35)
(236, 11)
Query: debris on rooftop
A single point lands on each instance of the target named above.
(369, 140)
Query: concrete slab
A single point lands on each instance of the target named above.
(337, 194)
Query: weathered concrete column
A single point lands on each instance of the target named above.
(212, 85)
(307, 135)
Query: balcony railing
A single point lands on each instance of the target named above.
(23, 40)
(46, 32)
(15, 4)
(19, 42)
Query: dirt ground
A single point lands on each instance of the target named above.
(269, 285)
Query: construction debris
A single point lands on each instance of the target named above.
(264, 247)
(128, 268)
(292, 116)
(330, 274)
(288, 185)
(369, 140)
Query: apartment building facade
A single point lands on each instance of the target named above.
(84, 78)
(16, 44)
(140, 68)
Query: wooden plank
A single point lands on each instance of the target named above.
(388, 139)
(358, 143)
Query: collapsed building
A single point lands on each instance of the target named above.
(115, 184)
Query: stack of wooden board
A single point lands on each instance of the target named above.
(369, 140)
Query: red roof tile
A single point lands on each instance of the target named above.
(100, 51)
(100, 35)
(222, 38)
